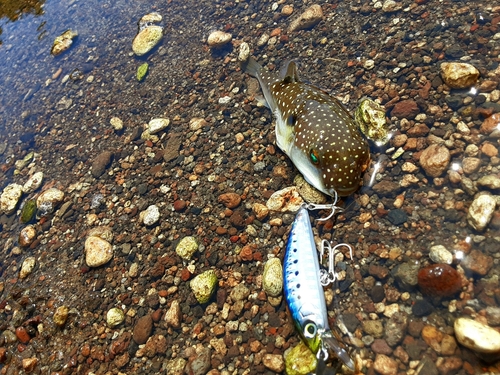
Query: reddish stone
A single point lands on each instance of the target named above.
(246, 253)
(185, 274)
(22, 335)
(3, 355)
(156, 315)
(179, 205)
(234, 239)
(440, 280)
(491, 123)
(230, 200)
(406, 109)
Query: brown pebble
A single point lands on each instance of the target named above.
(405, 109)
(230, 200)
(246, 253)
(435, 159)
(156, 315)
(100, 163)
(179, 205)
(22, 335)
(440, 280)
(477, 263)
(3, 355)
(143, 329)
(490, 124)
(489, 150)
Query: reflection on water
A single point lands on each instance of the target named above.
(14, 9)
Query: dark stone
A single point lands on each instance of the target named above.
(454, 51)
(100, 163)
(422, 307)
(397, 217)
(350, 321)
(378, 293)
(454, 101)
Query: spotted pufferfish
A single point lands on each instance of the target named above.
(314, 130)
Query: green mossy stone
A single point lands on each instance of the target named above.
(299, 360)
(203, 286)
(142, 71)
(28, 211)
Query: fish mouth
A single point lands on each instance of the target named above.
(341, 192)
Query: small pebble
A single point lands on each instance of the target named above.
(230, 200)
(151, 215)
(218, 39)
(10, 197)
(459, 75)
(385, 365)
(274, 362)
(97, 251)
(439, 254)
(434, 160)
(143, 329)
(481, 211)
(27, 236)
(156, 125)
(203, 285)
(285, 200)
(27, 267)
(33, 183)
(116, 123)
(310, 17)
(187, 247)
(147, 39)
(61, 316)
(115, 317)
(174, 315)
(272, 278)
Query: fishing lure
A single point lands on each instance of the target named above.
(304, 292)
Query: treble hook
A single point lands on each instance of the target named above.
(330, 276)
(334, 209)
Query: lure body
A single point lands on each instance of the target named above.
(314, 130)
(303, 291)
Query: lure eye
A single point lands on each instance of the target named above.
(310, 330)
(313, 154)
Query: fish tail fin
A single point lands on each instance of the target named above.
(331, 343)
(251, 66)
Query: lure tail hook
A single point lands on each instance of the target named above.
(330, 276)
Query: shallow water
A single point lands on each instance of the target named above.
(66, 123)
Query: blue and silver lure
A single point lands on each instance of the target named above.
(304, 293)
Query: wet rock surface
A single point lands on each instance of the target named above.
(57, 118)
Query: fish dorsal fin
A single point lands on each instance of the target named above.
(289, 72)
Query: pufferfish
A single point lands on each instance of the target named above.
(314, 130)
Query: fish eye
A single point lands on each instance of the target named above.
(313, 154)
(310, 330)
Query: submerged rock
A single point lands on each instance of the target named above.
(481, 211)
(434, 160)
(459, 75)
(97, 251)
(48, 200)
(440, 280)
(187, 247)
(27, 236)
(63, 42)
(310, 17)
(299, 360)
(285, 200)
(28, 211)
(218, 39)
(477, 336)
(27, 267)
(10, 197)
(147, 39)
(33, 183)
(370, 117)
(203, 285)
(272, 278)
